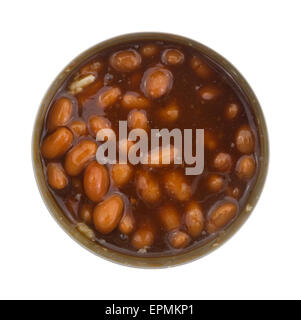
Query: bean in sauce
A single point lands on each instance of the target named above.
(150, 210)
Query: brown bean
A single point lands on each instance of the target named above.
(107, 214)
(149, 50)
(231, 111)
(179, 239)
(176, 185)
(125, 60)
(209, 93)
(215, 182)
(86, 212)
(161, 157)
(137, 119)
(122, 174)
(245, 167)
(143, 238)
(172, 57)
(79, 128)
(93, 67)
(156, 82)
(147, 187)
(56, 176)
(222, 162)
(194, 219)
(59, 114)
(210, 141)
(127, 223)
(57, 143)
(201, 68)
(244, 140)
(97, 123)
(96, 181)
(134, 100)
(168, 114)
(169, 217)
(78, 156)
(108, 96)
(89, 92)
(221, 216)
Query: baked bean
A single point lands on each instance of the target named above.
(137, 119)
(231, 111)
(127, 223)
(149, 50)
(125, 60)
(169, 217)
(108, 96)
(93, 67)
(172, 57)
(134, 100)
(176, 185)
(161, 157)
(86, 212)
(221, 216)
(96, 181)
(222, 162)
(179, 239)
(156, 82)
(57, 143)
(56, 176)
(89, 92)
(209, 93)
(201, 68)
(215, 182)
(97, 123)
(210, 141)
(107, 214)
(168, 114)
(143, 238)
(122, 174)
(147, 187)
(59, 114)
(194, 219)
(79, 128)
(78, 156)
(245, 167)
(244, 140)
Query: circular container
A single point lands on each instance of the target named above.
(150, 262)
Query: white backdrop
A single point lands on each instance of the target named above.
(261, 38)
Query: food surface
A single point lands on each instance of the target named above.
(148, 209)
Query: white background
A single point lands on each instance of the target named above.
(261, 38)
